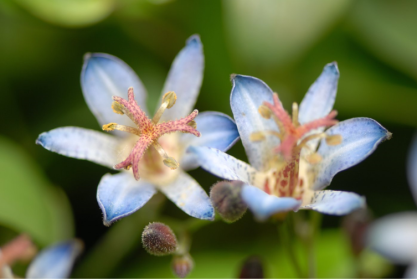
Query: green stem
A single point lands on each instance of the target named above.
(286, 232)
(315, 221)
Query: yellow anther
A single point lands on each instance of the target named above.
(171, 163)
(169, 97)
(334, 139)
(192, 124)
(295, 114)
(264, 111)
(128, 167)
(314, 158)
(109, 127)
(117, 108)
(257, 136)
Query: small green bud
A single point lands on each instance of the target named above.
(158, 239)
(226, 198)
(182, 265)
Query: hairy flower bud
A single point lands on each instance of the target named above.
(226, 198)
(158, 239)
(182, 265)
(355, 225)
(252, 268)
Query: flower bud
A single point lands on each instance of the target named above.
(158, 239)
(182, 265)
(355, 225)
(252, 268)
(226, 198)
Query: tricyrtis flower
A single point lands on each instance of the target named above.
(288, 171)
(395, 236)
(151, 149)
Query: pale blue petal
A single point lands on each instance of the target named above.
(104, 76)
(248, 93)
(120, 195)
(264, 205)
(217, 130)
(360, 136)
(188, 195)
(55, 261)
(222, 164)
(319, 100)
(335, 202)
(81, 143)
(411, 271)
(395, 237)
(412, 167)
(185, 78)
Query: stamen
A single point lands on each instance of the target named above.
(303, 143)
(334, 139)
(264, 111)
(168, 100)
(168, 161)
(314, 158)
(117, 108)
(257, 136)
(114, 126)
(295, 115)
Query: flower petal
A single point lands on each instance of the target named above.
(185, 78)
(248, 93)
(188, 195)
(103, 76)
(335, 202)
(120, 195)
(55, 261)
(81, 143)
(320, 97)
(222, 164)
(217, 130)
(360, 137)
(263, 205)
(394, 236)
(412, 167)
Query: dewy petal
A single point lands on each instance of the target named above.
(120, 195)
(81, 143)
(185, 78)
(412, 167)
(335, 202)
(188, 195)
(222, 164)
(320, 97)
(248, 93)
(217, 130)
(104, 76)
(394, 236)
(263, 205)
(360, 137)
(55, 261)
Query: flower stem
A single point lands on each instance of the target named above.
(315, 221)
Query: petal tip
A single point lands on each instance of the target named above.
(332, 68)
(41, 140)
(87, 57)
(194, 40)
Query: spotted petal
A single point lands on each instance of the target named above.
(360, 136)
(217, 130)
(335, 202)
(188, 195)
(319, 100)
(120, 195)
(55, 261)
(223, 165)
(394, 236)
(412, 167)
(248, 93)
(264, 205)
(104, 76)
(185, 78)
(81, 143)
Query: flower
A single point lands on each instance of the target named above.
(55, 261)
(288, 171)
(138, 143)
(395, 236)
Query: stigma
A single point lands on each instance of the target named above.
(149, 131)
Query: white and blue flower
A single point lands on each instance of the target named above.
(105, 80)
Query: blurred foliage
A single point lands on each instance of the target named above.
(284, 43)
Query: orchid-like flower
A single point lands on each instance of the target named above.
(288, 171)
(55, 261)
(146, 150)
(395, 236)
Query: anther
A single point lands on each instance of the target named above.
(314, 158)
(334, 139)
(168, 161)
(114, 126)
(169, 97)
(264, 111)
(295, 115)
(257, 136)
(117, 108)
(193, 124)
(109, 127)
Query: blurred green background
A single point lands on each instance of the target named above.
(284, 43)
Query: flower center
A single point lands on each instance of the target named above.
(149, 131)
(284, 181)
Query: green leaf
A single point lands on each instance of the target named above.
(28, 203)
(69, 13)
(274, 32)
